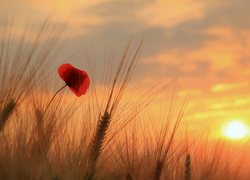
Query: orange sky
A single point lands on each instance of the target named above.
(204, 44)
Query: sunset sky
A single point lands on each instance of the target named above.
(205, 45)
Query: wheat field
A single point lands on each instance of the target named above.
(107, 133)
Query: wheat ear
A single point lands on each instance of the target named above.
(6, 112)
(188, 168)
(158, 169)
(97, 142)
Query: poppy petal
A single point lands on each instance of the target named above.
(64, 72)
(82, 89)
(77, 80)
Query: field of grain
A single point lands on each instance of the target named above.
(108, 133)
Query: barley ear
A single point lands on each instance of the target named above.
(129, 177)
(188, 168)
(158, 169)
(6, 112)
(97, 142)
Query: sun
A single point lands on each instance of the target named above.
(235, 130)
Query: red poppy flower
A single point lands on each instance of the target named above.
(76, 79)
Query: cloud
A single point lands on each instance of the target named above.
(171, 13)
(244, 61)
(229, 102)
(113, 20)
(228, 13)
(122, 21)
(228, 86)
(158, 39)
(113, 10)
(158, 70)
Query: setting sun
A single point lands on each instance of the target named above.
(235, 130)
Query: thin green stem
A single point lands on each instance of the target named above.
(40, 120)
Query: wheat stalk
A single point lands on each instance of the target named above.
(164, 154)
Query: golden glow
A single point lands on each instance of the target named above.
(235, 130)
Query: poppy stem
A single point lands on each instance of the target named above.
(50, 103)
(44, 113)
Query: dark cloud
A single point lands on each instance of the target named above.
(123, 9)
(190, 35)
(158, 39)
(159, 70)
(228, 13)
(121, 22)
(222, 74)
(187, 36)
(244, 62)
